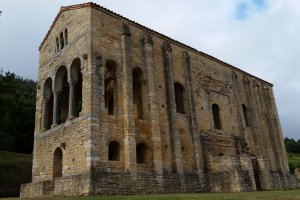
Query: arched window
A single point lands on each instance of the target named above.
(76, 77)
(57, 45)
(66, 36)
(57, 163)
(48, 107)
(245, 111)
(114, 151)
(179, 97)
(62, 87)
(216, 116)
(141, 153)
(110, 85)
(61, 38)
(137, 80)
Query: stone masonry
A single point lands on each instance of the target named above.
(123, 109)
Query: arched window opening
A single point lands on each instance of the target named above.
(137, 80)
(141, 153)
(57, 45)
(61, 38)
(110, 84)
(114, 151)
(57, 163)
(48, 107)
(62, 86)
(245, 112)
(66, 37)
(76, 78)
(216, 116)
(179, 97)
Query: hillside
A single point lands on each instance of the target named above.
(15, 169)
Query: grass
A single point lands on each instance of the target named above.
(264, 195)
(15, 169)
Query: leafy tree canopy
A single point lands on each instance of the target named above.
(17, 100)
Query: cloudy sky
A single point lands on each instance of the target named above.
(261, 37)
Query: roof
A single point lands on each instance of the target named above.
(96, 6)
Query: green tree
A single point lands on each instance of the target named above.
(17, 100)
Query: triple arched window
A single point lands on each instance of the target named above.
(61, 40)
(64, 100)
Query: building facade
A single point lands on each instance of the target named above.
(122, 109)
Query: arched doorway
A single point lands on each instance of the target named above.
(57, 163)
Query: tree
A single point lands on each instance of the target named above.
(17, 100)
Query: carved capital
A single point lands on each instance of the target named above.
(71, 82)
(56, 91)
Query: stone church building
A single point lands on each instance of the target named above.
(123, 109)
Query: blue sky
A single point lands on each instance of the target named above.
(261, 37)
(244, 8)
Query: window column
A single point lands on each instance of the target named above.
(55, 110)
(72, 84)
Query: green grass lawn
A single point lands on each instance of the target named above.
(15, 169)
(264, 195)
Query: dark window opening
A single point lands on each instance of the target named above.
(114, 151)
(57, 45)
(57, 163)
(216, 116)
(48, 95)
(245, 111)
(63, 101)
(141, 153)
(137, 79)
(66, 36)
(61, 38)
(179, 97)
(110, 85)
(76, 77)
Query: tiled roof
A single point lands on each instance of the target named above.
(96, 6)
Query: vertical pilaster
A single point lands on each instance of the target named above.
(198, 149)
(273, 134)
(253, 112)
(278, 131)
(129, 130)
(153, 110)
(173, 129)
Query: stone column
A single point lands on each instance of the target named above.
(153, 111)
(44, 113)
(171, 106)
(198, 148)
(129, 129)
(55, 110)
(72, 84)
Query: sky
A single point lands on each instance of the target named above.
(261, 37)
